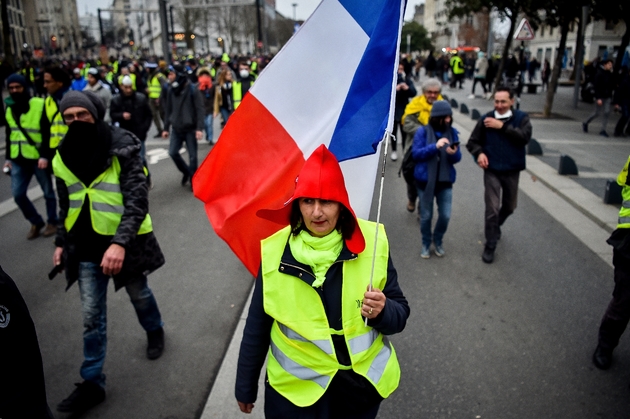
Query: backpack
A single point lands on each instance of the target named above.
(407, 166)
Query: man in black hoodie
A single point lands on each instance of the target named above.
(105, 230)
(183, 111)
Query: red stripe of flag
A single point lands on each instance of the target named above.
(252, 166)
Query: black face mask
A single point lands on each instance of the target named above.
(85, 149)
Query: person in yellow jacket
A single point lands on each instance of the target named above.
(417, 114)
(313, 313)
(57, 84)
(617, 314)
(105, 231)
(28, 154)
(457, 67)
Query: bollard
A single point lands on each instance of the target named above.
(567, 166)
(612, 195)
(475, 115)
(534, 148)
(454, 104)
(464, 109)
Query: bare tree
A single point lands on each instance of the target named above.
(189, 19)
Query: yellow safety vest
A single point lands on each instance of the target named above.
(58, 128)
(237, 92)
(302, 362)
(106, 198)
(30, 122)
(115, 67)
(133, 80)
(31, 75)
(155, 87)
(457, 65)
(624, 212)
(85, 70)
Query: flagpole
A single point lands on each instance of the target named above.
(386, 137)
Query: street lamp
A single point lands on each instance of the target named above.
(294, 7)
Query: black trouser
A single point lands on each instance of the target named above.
(332, 405)
(617, 314)
(483, 84)
(397, 127)
(500, 195)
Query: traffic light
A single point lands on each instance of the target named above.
(192, 36)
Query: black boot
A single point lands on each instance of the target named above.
(156, 343)
(488, 254)
(602, 358)
(87, 395)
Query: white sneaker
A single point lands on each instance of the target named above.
(471, 96)
(394, 156)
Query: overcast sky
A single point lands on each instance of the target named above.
(303, 9)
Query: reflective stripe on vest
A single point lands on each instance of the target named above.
(58, 128)
(106, 198)
(624, 212)
(302, 358)
(30, 123)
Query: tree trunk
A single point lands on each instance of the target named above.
(625, 40)
(6, 36)
(557, 66)
(506, 49)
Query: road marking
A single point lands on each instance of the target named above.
(160, 153)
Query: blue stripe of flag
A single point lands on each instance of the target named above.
(363, 118)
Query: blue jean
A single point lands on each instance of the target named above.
(225, 114)
(208, 121)
(177, 139)
(444, 199)
(21, 175)
(93, 289)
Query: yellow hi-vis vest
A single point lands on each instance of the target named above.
(106, 198)
(237, 92)
(133, 80)
(155, 87)
(624, 212)
(58, 128)
(302, 362)
(30, 124)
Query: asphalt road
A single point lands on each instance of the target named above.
(507, 340)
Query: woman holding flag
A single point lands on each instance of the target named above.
(314, 312)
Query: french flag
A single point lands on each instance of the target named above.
(333, 83)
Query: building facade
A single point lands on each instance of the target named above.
(447, 33)
(601, 39)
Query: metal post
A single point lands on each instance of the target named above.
(100, 27)
(164, 34)
(258, 19)
(579, 60)
(172, 37)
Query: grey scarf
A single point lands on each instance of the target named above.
(432, 165)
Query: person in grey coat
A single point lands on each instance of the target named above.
(184, 112)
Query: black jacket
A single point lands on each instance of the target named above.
(22, 387)
(142, 252)
(137, 105)
(184, 111)
(505, 148)
(256, 337)
(604, 84)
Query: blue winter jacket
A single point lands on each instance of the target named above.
(423, 152)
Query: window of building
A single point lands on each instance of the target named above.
(11, 18)
(550, 30)
(20, 19)
(542, 30)
(610, 25)
(601, 50)
(17, 4)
